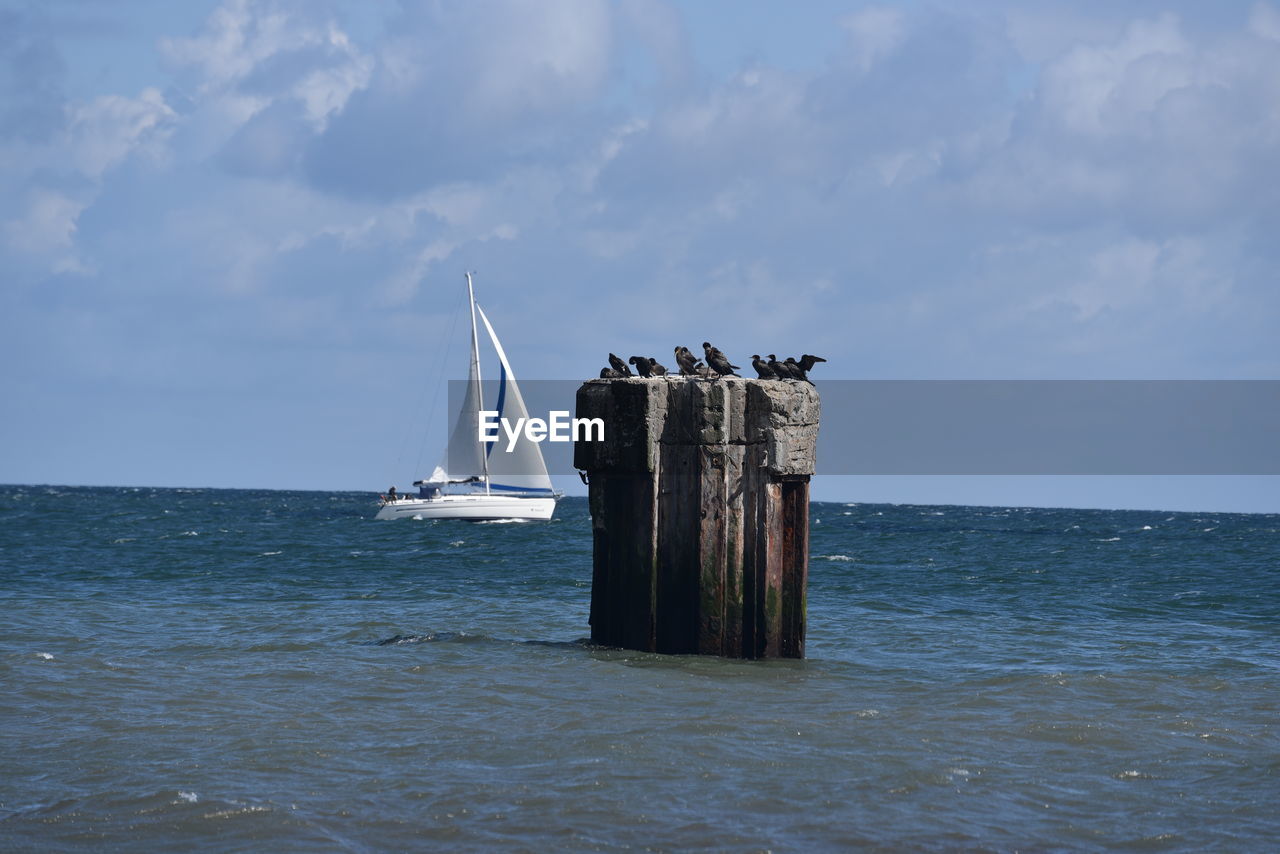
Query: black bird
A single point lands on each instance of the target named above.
(790, 369)
(807, 362)
(688, 364)
(717, 361)
(642, 365)
(797, 372)
(692, 366)
(655, 369)
(619, 365)
(779, 368)
(610, 374)
(762, 368)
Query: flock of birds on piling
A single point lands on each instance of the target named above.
(717, 365)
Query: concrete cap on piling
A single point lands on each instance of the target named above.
(640, 414)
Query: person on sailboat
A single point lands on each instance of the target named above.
(391, 494)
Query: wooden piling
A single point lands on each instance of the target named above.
(699, 500)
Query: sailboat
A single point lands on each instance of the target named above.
(482, 481)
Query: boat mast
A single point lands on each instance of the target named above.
(475, 372)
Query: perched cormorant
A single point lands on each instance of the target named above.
(655, 369)
(619, 365)
(779, 368)
(688, 364)
(796, 371)
(642, 365)
(717, 360)
(807, 362)
(610, 374)
(762, 368)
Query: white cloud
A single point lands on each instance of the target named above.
(874, 33)
(887, 173)
(1099, 90)
(236, 38)
(1264, 21)
(659, 28)
(1042, 33)
(48, 225)
(1117, 277)
(463, 91)
(1156, 127)
(62, 179)
(252, 54)
(538, 56)
(324, 91)
(403, 285)
(110, 128)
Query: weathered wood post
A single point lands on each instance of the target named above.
(700, 513)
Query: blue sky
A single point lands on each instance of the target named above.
(232, 234)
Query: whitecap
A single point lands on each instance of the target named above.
(44, 656)
(841, 558)
(1147, 528)
(457, 543)
(189, 797)
(232, 813)
(1111, 540)
(269, 554)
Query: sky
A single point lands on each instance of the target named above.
(233, 234)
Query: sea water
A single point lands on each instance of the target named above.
(255, 670)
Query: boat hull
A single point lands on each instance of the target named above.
(472, 508)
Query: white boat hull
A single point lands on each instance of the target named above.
(473, 508)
